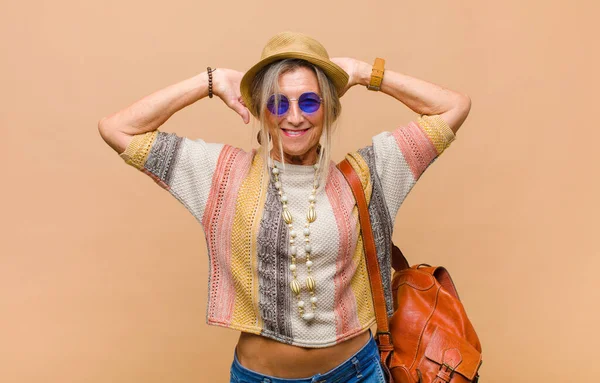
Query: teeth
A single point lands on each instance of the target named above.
(294, 132)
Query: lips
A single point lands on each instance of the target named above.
(294, 133)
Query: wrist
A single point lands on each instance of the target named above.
(363, 73)
(215, 77)
(209, 72)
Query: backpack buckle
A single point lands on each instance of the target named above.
(445, 373)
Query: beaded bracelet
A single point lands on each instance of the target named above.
(209, 71)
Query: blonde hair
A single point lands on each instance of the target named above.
(266, 83)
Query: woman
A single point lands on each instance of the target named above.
(287, 266)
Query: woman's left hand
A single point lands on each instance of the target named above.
(351, 66)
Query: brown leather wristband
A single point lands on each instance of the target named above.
(377, 74)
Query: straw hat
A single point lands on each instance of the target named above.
(293, 45)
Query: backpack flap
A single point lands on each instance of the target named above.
(447, 354)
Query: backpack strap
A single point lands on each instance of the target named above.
(399, 262)
(383, 336)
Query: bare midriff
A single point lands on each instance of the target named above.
(270, 357)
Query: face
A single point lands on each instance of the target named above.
(298, 131)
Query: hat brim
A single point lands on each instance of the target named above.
(338, 76)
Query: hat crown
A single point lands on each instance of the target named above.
(294, 42)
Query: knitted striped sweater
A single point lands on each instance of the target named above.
(230, 195)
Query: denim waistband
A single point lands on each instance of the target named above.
(353, 366)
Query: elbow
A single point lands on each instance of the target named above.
(108, 128)
(112, 135)
(464, 104)
(458, 113)
(462, 108)
(108, 132)
(103, 126)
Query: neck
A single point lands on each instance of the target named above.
(309, 158)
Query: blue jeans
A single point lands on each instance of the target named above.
(364, 366)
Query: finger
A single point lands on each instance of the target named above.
(246, 112)
(242, 111)
(246, 116)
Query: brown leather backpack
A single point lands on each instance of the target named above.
(429, 337)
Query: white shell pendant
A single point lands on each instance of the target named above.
(311, 216)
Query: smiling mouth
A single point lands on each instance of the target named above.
(294, 133)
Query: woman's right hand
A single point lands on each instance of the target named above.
(226, 85)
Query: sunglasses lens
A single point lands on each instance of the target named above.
(309, 102)
(282, 104)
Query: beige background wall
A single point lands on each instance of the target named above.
(103, 274)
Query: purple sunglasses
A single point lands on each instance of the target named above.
(308, 102)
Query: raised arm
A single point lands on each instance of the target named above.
(149, 113)
(420, 96)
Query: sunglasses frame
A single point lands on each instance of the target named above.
(293, 99)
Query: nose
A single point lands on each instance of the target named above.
(294, 114)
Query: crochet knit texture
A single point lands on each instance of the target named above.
(230, 195)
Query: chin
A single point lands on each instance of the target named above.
(299, 147)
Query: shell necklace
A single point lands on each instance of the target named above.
(311, 217)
